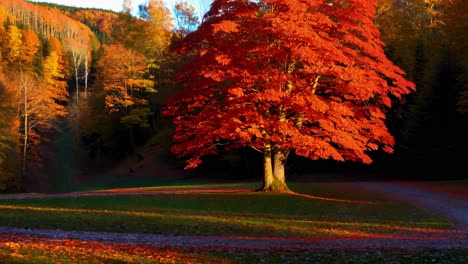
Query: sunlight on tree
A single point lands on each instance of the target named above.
(261, 83)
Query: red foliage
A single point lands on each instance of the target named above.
(294, 74)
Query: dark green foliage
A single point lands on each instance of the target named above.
(430, 134)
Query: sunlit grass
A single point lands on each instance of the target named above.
(184, 186)
(118, 182)
(30, 250)
(226, 214)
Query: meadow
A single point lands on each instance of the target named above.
(317, 210)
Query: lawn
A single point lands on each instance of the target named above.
(321, 211)
(324, 211)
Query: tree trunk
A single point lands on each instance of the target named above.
(77, 85)
(274, 172)
(279, 174)
(25, 134)
(267, 169)
(86, 74)
(25, 153)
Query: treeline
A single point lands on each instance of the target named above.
(81, 89)
(428, 39)
(34, 70)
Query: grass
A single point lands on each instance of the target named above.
(128, 182)
(72, 252)
(15, 250)
(227, 214)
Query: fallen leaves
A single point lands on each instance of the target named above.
(36, 250)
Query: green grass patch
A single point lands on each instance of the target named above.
(227, 214)
(123, 181)
(185, 185)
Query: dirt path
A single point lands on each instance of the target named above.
(433, 240)
(447, 206)
(129, 191)
(454, 209)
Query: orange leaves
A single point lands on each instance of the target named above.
(55, 84)
(226, 26)
(14, 44)
(236, 92)
(3, 16)
(215, 75)
(223, 59)
(123, 73)
(376, 113)
(373, 146)
(157, 30)
(30, 47)
(314, 76)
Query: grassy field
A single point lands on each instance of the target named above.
(343, 212)
(322, 210)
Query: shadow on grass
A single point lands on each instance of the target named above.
(242, 213)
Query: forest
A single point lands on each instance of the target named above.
(82, 90)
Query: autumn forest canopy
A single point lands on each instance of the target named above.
(265, 89)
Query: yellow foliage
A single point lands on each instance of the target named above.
(158, 27)
(14, 44)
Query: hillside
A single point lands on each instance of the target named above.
(77, 88)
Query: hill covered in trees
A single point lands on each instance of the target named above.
(77, 87)
(82, 89)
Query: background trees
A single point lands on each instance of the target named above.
(456, 28)
(420, 38)
(125, 79)
(34, 85)
(8, 140)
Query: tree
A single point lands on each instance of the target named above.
(14, 43)
(123, 73)
(186, 19)
(157, 29)
(127, 6)
(458, 31)
(30, 47)
(77, 54)
(286, 76)
(420, 38)
(8, 138)
(39, 102)
(54, 80)
(32, 113)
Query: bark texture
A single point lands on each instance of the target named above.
(274, 171)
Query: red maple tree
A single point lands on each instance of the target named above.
(278, 76)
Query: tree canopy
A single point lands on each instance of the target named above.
(282, 76)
